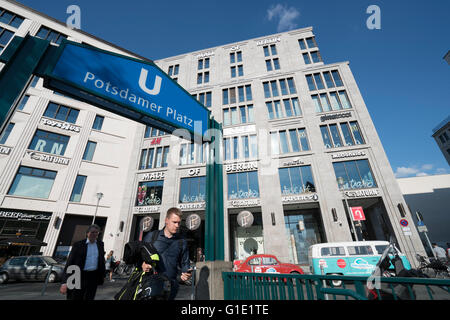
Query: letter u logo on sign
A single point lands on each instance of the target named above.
(143, 81)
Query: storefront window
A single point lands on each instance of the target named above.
(354, 175)
(149, 193)
(296, 180)
(243, 185)
(192, 189)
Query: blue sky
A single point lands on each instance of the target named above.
(399, 68)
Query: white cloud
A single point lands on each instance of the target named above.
(441, 171)
(421, 174)
(403, 172)
(285, 16)
(427, 167)
(419, 171)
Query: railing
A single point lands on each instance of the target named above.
(258, 286)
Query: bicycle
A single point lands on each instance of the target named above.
(432, 268)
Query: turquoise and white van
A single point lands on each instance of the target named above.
(357, 258)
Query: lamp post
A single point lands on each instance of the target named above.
(340, 181)
(99, 196)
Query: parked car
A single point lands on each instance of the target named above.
(265, 263)
(30, 268)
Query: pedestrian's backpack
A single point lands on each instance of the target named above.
(143, 285)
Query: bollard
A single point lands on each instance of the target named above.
(193, 283)
(46, 280)
(324, 281)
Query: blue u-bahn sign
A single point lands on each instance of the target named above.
(140, 88)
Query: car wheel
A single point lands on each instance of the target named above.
(52, 277)
(302, 281)
(4, 278)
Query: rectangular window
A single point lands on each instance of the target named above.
(274, 88)
(240, 70)
(192, 189)
(294, 140)
(319, 82)
(335, 104)
(328, 79)
(23, 102)
(306, 58)
(77, 190)
(266, 51)
(32, 182)
(274, 143)
(324, 102)
(344, 100)
(291, 84)
(248, 92)
(269, 65)
(356, 132)
(276, 64)
(302, 45)
(354, 174)
(225, 96)
(337, 78)
(243, 185)
(9, 18)
(62, 113)
(284, 142)
(311, 84)
(316, 102)
(89, 151)
(347, 135)
(335, 135)
(233, 72)
(266, 90)
(311, 42)
(49, 142)
(5, 36)
(98, 122)
(149, 193)
(326, 137)
(50, 35)
(296, 180)
(6, 133)
(315, 56)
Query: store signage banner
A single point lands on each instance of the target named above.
(141, 88)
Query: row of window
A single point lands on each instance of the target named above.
(237, 70)
(10, 18)
(354, 174)
(246, 146)
(332, 80)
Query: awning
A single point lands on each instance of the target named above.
(22, 241)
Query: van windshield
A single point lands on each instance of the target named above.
(380, 249)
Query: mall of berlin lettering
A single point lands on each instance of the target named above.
(361, 193)
(335, 116)
(153, 176)
(23, 216)
(241, 167)
(305, 197)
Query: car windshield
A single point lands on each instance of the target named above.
(49, 260)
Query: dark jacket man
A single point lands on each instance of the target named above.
(89, 255)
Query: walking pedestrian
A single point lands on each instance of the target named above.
(109, 265)
(172, 250)
(440, 253)
(89, 256)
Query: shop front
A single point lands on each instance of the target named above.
(22, 232)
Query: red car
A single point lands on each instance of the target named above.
(265, 263)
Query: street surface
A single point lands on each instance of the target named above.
(33, 291)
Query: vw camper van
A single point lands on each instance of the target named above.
(358, 258)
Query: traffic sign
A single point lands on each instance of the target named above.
(422, 228)
(358, 213)
(134, 88)
(404, 222)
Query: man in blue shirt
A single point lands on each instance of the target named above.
(172, 249)
(89, 255)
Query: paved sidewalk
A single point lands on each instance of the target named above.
(33, 291)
